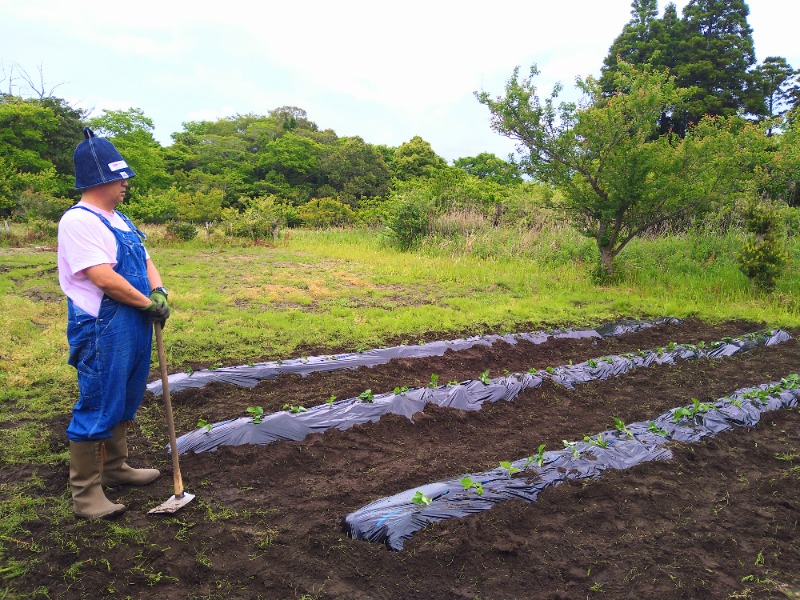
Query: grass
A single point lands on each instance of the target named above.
(344, 290)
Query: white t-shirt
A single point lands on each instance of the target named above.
(85, 241)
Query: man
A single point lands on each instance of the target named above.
(114, 294)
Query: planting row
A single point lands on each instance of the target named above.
(250, 375)
(296, 422)
(395, 519)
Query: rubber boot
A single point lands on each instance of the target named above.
(115, 470)
(88, 499)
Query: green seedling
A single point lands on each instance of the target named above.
(434, 380)
(609, 359)
(420, 498)
(597, 441)
(400, 390)
(671, 346)
(642, 353)
(504, 464)
(550, 370)
(366, 396)
(294, 409)
(452, 382)
(257, 412)
(203, 424)
(468, 484)
(592, 363)
(690, 411)
(506, 372)
(331, 399)
(572, 447)
(621, 427)
(484, 377)
(653, 428)
(537, 458)
(628, 355)
(533, 371)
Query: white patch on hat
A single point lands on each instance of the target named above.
(117, 165)
(123, 174)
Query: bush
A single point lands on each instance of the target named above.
(409, 221)
(182, 230)
(325, 212)
(153, 207)
(260, 220)
(765, 253)
(34, 205)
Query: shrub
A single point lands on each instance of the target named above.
(33, 205)
(409, 221)
(182, 230)
(325, 212)
(261, 219)
(154, 207)
(765, 253)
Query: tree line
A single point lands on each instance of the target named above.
(680, 121)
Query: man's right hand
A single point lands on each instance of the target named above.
(158, 311)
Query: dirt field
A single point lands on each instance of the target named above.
(720, 520)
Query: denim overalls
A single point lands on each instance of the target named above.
(112, 351)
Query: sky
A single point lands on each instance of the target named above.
(384, 71)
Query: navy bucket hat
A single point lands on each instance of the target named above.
(97, 161)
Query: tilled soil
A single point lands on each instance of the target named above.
(719, 520)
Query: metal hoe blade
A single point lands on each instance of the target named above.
(172, 505)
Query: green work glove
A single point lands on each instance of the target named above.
(158, 311)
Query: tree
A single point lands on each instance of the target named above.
(355, 170)
(638, 43)
(488, 166)
(775, 79)
(619, 177)
(415, 158)
(24, 149)
(716, 52)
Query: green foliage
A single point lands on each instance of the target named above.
(468, 484)
(508, 468)
(199, 206)
(764, 253)
(355, 170)
(420, 498)
(257, 414)
(710, 51)
(38, 205)
(182, 230)
(488, 166)
(408, 220)
(619, 177)
(415, 158)
(155, 207)
(260, 220)
(325, 212)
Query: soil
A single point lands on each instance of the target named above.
(719, 520)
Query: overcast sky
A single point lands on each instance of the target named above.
(383, 71)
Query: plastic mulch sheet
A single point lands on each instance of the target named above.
(395, 519)
(250, 375)
(468, 395)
